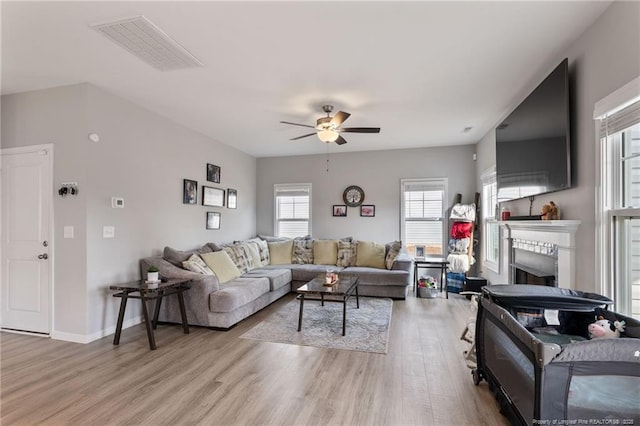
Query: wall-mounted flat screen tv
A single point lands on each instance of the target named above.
(533, 142)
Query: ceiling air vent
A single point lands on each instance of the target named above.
(149, 43)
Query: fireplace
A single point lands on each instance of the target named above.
(540, 252)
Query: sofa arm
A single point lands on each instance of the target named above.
(196, 300)
(402, 262)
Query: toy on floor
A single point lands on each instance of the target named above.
(549, 211)
(605, 329)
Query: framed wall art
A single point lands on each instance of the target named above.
(213, 220)
(232, 198)
(212, 197)
(189, 191)
(339, 210)
(367, 210)
(213, 173)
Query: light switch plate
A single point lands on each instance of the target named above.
(108, 232)
(68, 232)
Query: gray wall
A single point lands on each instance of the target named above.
(377, 172)
(141, 157)
(604, 58)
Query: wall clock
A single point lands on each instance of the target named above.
(353, 196)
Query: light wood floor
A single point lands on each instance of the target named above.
(216, 378)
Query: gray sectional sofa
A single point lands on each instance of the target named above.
(211, 304)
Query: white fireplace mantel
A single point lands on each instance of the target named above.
(561, 233)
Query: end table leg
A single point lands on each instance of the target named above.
(183, 313)
(344, 316)
(123, 305)
(156, 310)
(446, 287)
(300, 315)
(147, 323)
(357, 298)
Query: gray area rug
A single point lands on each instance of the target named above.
(367, 327)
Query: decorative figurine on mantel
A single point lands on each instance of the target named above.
(549, 211)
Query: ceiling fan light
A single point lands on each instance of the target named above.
(328, 135)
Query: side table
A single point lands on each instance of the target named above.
(140, 290)
(435, 263)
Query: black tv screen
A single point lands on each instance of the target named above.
(533, 142)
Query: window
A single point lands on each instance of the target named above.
(491, 237)
(422, 213)
(618, 202)
(293, 210)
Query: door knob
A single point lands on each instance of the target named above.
(43, 256)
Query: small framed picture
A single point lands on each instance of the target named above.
(339, 210)
(213, 173)
(212, 197)
(367, 210)
(213, 220)
(232, 198)
(189, 191)
(419, 251)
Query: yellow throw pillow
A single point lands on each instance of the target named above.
(325, 252)
(370, 254)
(280, 252)
(221, 265)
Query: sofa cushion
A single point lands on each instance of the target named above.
(176, 257)
(278, 278)
(237, 293)
(273, 239)
(378, 277)
(239, 256)
(308, 272)
(221, 265)
(263, 247)
(325, 252)
(280, 252)
(346, 253)
(370, 254)
(302, 250)
(196, 264)
(393, 250)
(254, 252)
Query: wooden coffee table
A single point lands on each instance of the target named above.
(145, 292)
(345, 287)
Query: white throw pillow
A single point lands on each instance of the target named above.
(196, 264)
(221, 265)
(254, 252)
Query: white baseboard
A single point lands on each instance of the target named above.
(87, 338)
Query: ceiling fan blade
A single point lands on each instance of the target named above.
(360, 129)
(303, 136)
(339, 118)
(340, 140)
(297, 124)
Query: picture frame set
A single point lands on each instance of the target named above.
(419, 252)
(211, 196)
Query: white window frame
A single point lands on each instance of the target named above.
(489, 177)
(436, 183)
(281, 187)
(608, 197)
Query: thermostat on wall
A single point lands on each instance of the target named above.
(117, 203)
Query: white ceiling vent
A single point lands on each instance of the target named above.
(149, 43)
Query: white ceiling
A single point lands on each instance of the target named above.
(422, 71)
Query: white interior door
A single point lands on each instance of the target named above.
(27, 175)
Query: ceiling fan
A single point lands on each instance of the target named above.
(328, 128)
